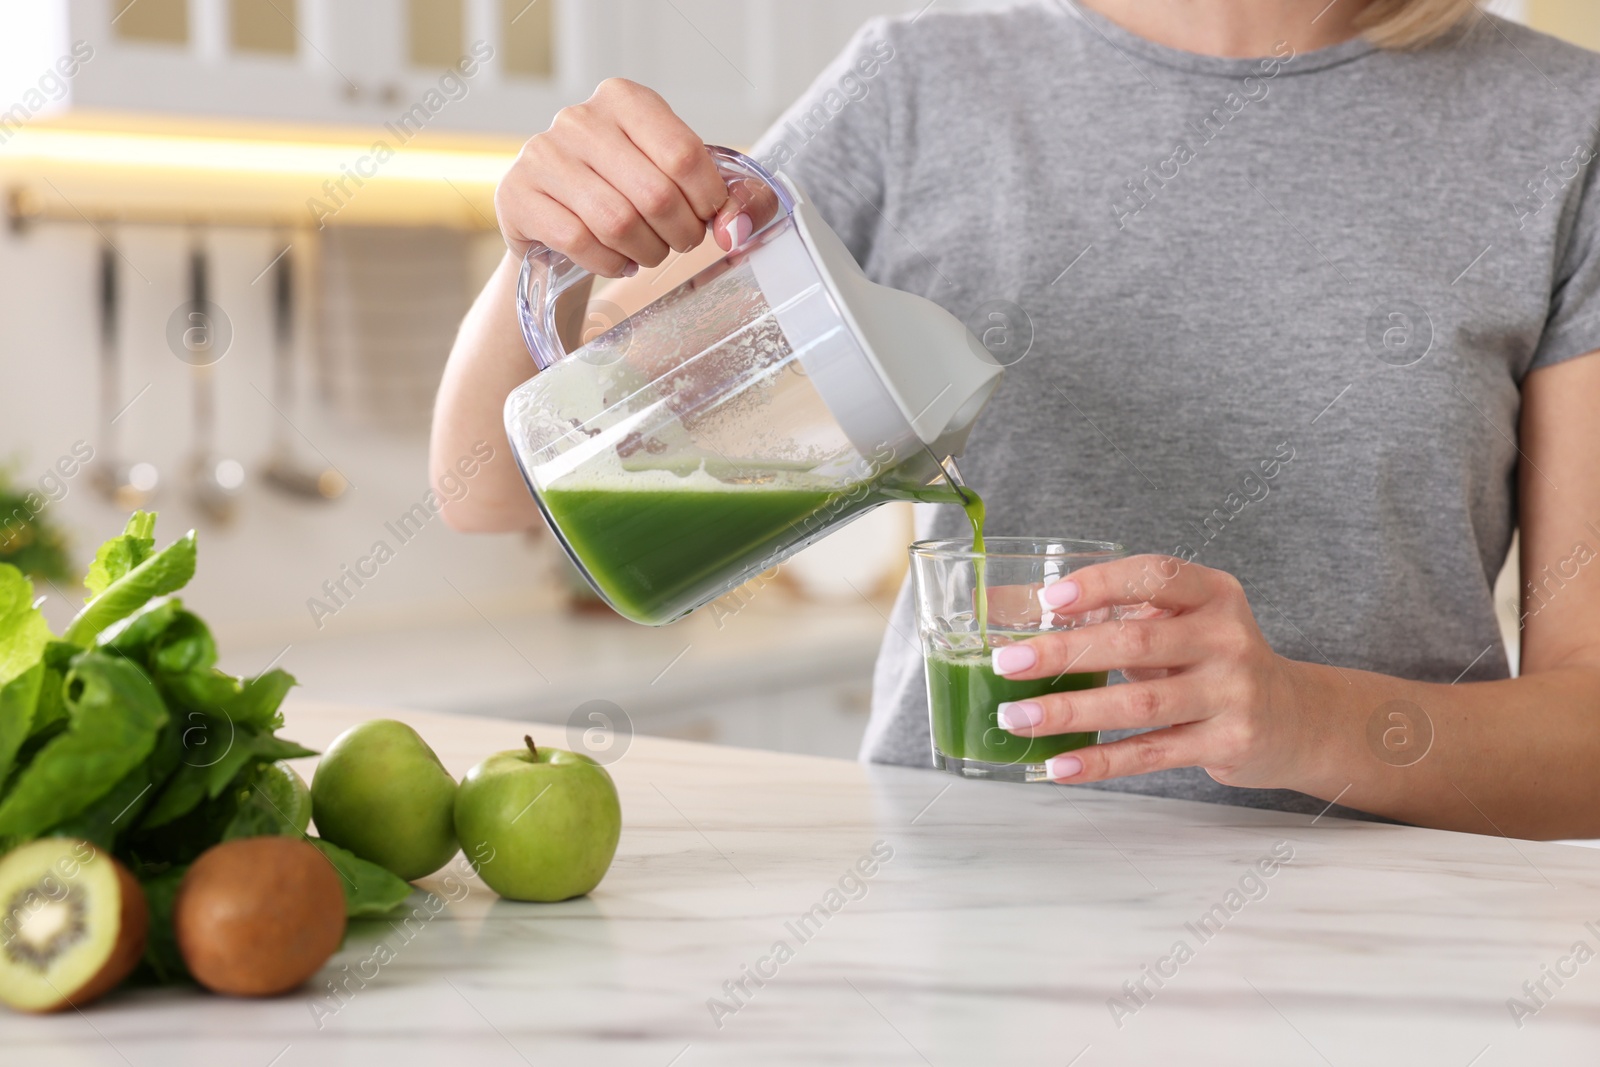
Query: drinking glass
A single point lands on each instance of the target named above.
(970, 602)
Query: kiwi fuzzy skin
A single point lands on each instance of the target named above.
(129, 949)
(256, 917)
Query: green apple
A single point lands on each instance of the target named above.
(539, 823)
(382, 793)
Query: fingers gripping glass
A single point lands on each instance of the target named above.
(964, 693)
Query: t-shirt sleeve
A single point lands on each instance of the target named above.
(1573, 326)
(834, 141)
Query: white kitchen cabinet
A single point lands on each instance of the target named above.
(729, 66)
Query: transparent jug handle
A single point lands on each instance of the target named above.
(546, 273)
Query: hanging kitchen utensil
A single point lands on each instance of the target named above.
(284, 470)
(128, 486)
(213, 483)
(771, 398)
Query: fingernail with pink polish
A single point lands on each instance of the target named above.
(630, 270)
(1059, 594)
(1060, 767)
(1019, 715)
(740, 229)
(1009, 659)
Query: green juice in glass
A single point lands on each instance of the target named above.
(964, 694)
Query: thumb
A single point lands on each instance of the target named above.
(751, 204)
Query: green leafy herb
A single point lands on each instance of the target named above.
(127, 735)
(120, 555)
(163, 963)
(369, 889)
(256, 703)
(259, 816)
(50, 717)
(23, 631)
(114, 713)
(270, 749)
(133, 637)
(19, 700)
(163, 573)
(119, 811)
(213, 756)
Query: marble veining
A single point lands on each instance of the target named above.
(777, 909)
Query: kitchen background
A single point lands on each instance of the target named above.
(155, 151)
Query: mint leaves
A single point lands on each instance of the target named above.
(113, 714)
(369, 890)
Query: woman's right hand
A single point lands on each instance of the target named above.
(616, 183)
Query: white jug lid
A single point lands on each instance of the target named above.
(895, 369)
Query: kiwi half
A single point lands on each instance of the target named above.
(72, 924)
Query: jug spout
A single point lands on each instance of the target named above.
(949, 474)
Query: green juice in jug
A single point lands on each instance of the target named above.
(654, 551)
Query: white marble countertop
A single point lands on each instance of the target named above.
(1003, 922)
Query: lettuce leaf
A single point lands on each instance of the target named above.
(120, 555)
(23, 631)
(19, 699)
(133, 637)
(160, 574)
(114, 816)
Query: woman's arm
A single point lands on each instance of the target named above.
(1519, 757)
(616, 183)
(488, 360)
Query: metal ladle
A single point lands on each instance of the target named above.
(128, 486)
(213, 484)
(284, 470)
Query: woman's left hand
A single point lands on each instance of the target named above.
(1198, 668)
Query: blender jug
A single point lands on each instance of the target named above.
(771, 398)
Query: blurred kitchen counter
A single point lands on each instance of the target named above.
(782, 673)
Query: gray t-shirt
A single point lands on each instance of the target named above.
(1345, 260)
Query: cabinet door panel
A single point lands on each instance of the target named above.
(688, 45)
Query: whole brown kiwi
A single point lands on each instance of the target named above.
(257, 916)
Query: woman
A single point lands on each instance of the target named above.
(1313, 332)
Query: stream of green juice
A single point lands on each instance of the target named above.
(970, 502)
(973, 506)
